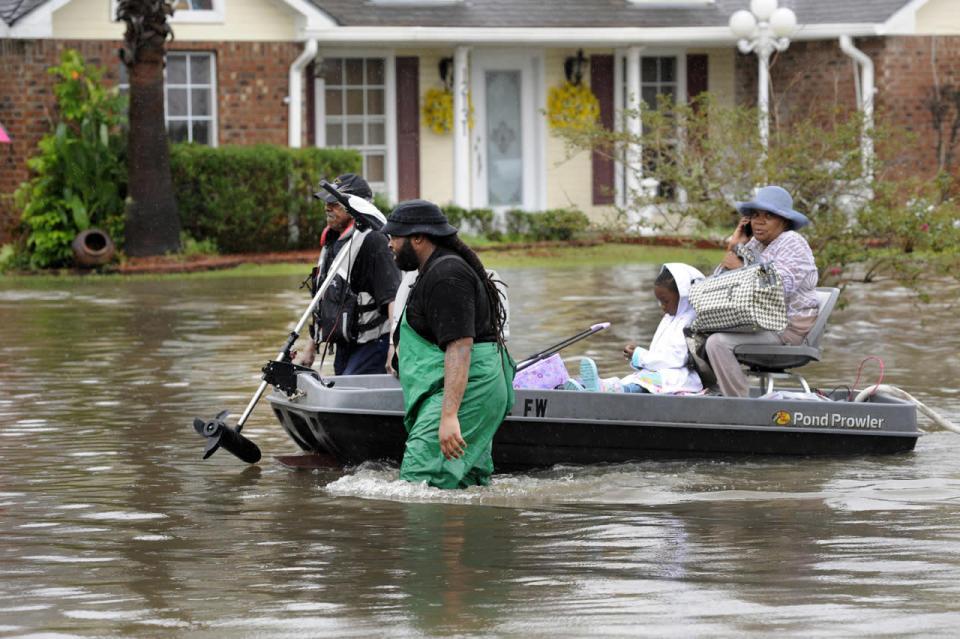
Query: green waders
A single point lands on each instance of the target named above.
(486, 401)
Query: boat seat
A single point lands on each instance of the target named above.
(775, 361)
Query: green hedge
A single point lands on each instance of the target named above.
(242, 197)
(554, 224)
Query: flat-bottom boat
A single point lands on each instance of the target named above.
(354, 419)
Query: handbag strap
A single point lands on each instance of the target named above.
(748, 254)
(751, 257)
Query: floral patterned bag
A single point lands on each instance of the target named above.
(546, 374)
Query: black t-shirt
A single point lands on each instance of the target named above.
(449, 302)
(374, 271)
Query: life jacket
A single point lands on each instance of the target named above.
(344, 315)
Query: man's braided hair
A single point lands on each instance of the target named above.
(498, 313)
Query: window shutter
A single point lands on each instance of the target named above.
(601, 81)
(408, 127)
(696, 75)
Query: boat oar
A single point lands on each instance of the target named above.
(559, 346)
(216, 431)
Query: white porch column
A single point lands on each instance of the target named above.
(633, 161)
(461, 128)
(295, 96)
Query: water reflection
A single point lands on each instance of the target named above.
(113, 526)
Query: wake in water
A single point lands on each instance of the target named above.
(648, 483)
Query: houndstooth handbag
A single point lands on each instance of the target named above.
(744, 300)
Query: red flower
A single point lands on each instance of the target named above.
(924, 227)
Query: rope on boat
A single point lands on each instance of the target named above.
(902, 394)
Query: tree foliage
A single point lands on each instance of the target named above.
(867, 220)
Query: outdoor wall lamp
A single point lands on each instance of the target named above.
(446, 72)
(573, 68)
(762, 30)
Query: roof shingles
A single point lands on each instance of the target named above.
(559, 13)
(13, 10)
(589, 13)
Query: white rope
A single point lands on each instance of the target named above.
(902, 394)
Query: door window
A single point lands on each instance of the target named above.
(504, 138)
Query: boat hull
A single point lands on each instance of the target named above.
(361, 419)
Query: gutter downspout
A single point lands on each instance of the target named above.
(866, 102)
(294, 98)
(295, 128)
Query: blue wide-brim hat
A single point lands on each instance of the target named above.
(418, 217)
(776, 200)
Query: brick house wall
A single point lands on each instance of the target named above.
(811, 75)
(251, 88)
(910, 68)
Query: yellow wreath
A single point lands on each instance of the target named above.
(438, 110)
(572, 106)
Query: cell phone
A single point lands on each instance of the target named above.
(748, 230)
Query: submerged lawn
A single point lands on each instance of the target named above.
(598, 255)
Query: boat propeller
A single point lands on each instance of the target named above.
(219, 434)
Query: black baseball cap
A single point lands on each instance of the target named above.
(348, 184)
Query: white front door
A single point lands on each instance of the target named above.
(508, 132)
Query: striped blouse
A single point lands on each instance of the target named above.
(793, 258)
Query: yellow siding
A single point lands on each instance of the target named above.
(86, 20)
(246, 20)
(569, 177)
(940, 17)
(436, 151)
(720, 74)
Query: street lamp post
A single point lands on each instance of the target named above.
(762, 30)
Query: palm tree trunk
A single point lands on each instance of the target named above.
(152, 218)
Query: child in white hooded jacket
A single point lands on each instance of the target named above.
(661, 368)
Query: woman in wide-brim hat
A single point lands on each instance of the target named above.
(768, 228)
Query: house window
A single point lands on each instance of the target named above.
(198, 11)
(658, 76)
(193, 5)
(190, 11)
(669, 4)
(190, 97)
(354, 104)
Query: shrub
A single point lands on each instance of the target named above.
(80, 174)
(382, 202)
(245, 198)
(557, 224)
(518, 222)
(456, 215)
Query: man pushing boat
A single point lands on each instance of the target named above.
(456, 374)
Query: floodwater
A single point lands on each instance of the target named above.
(111, 525)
